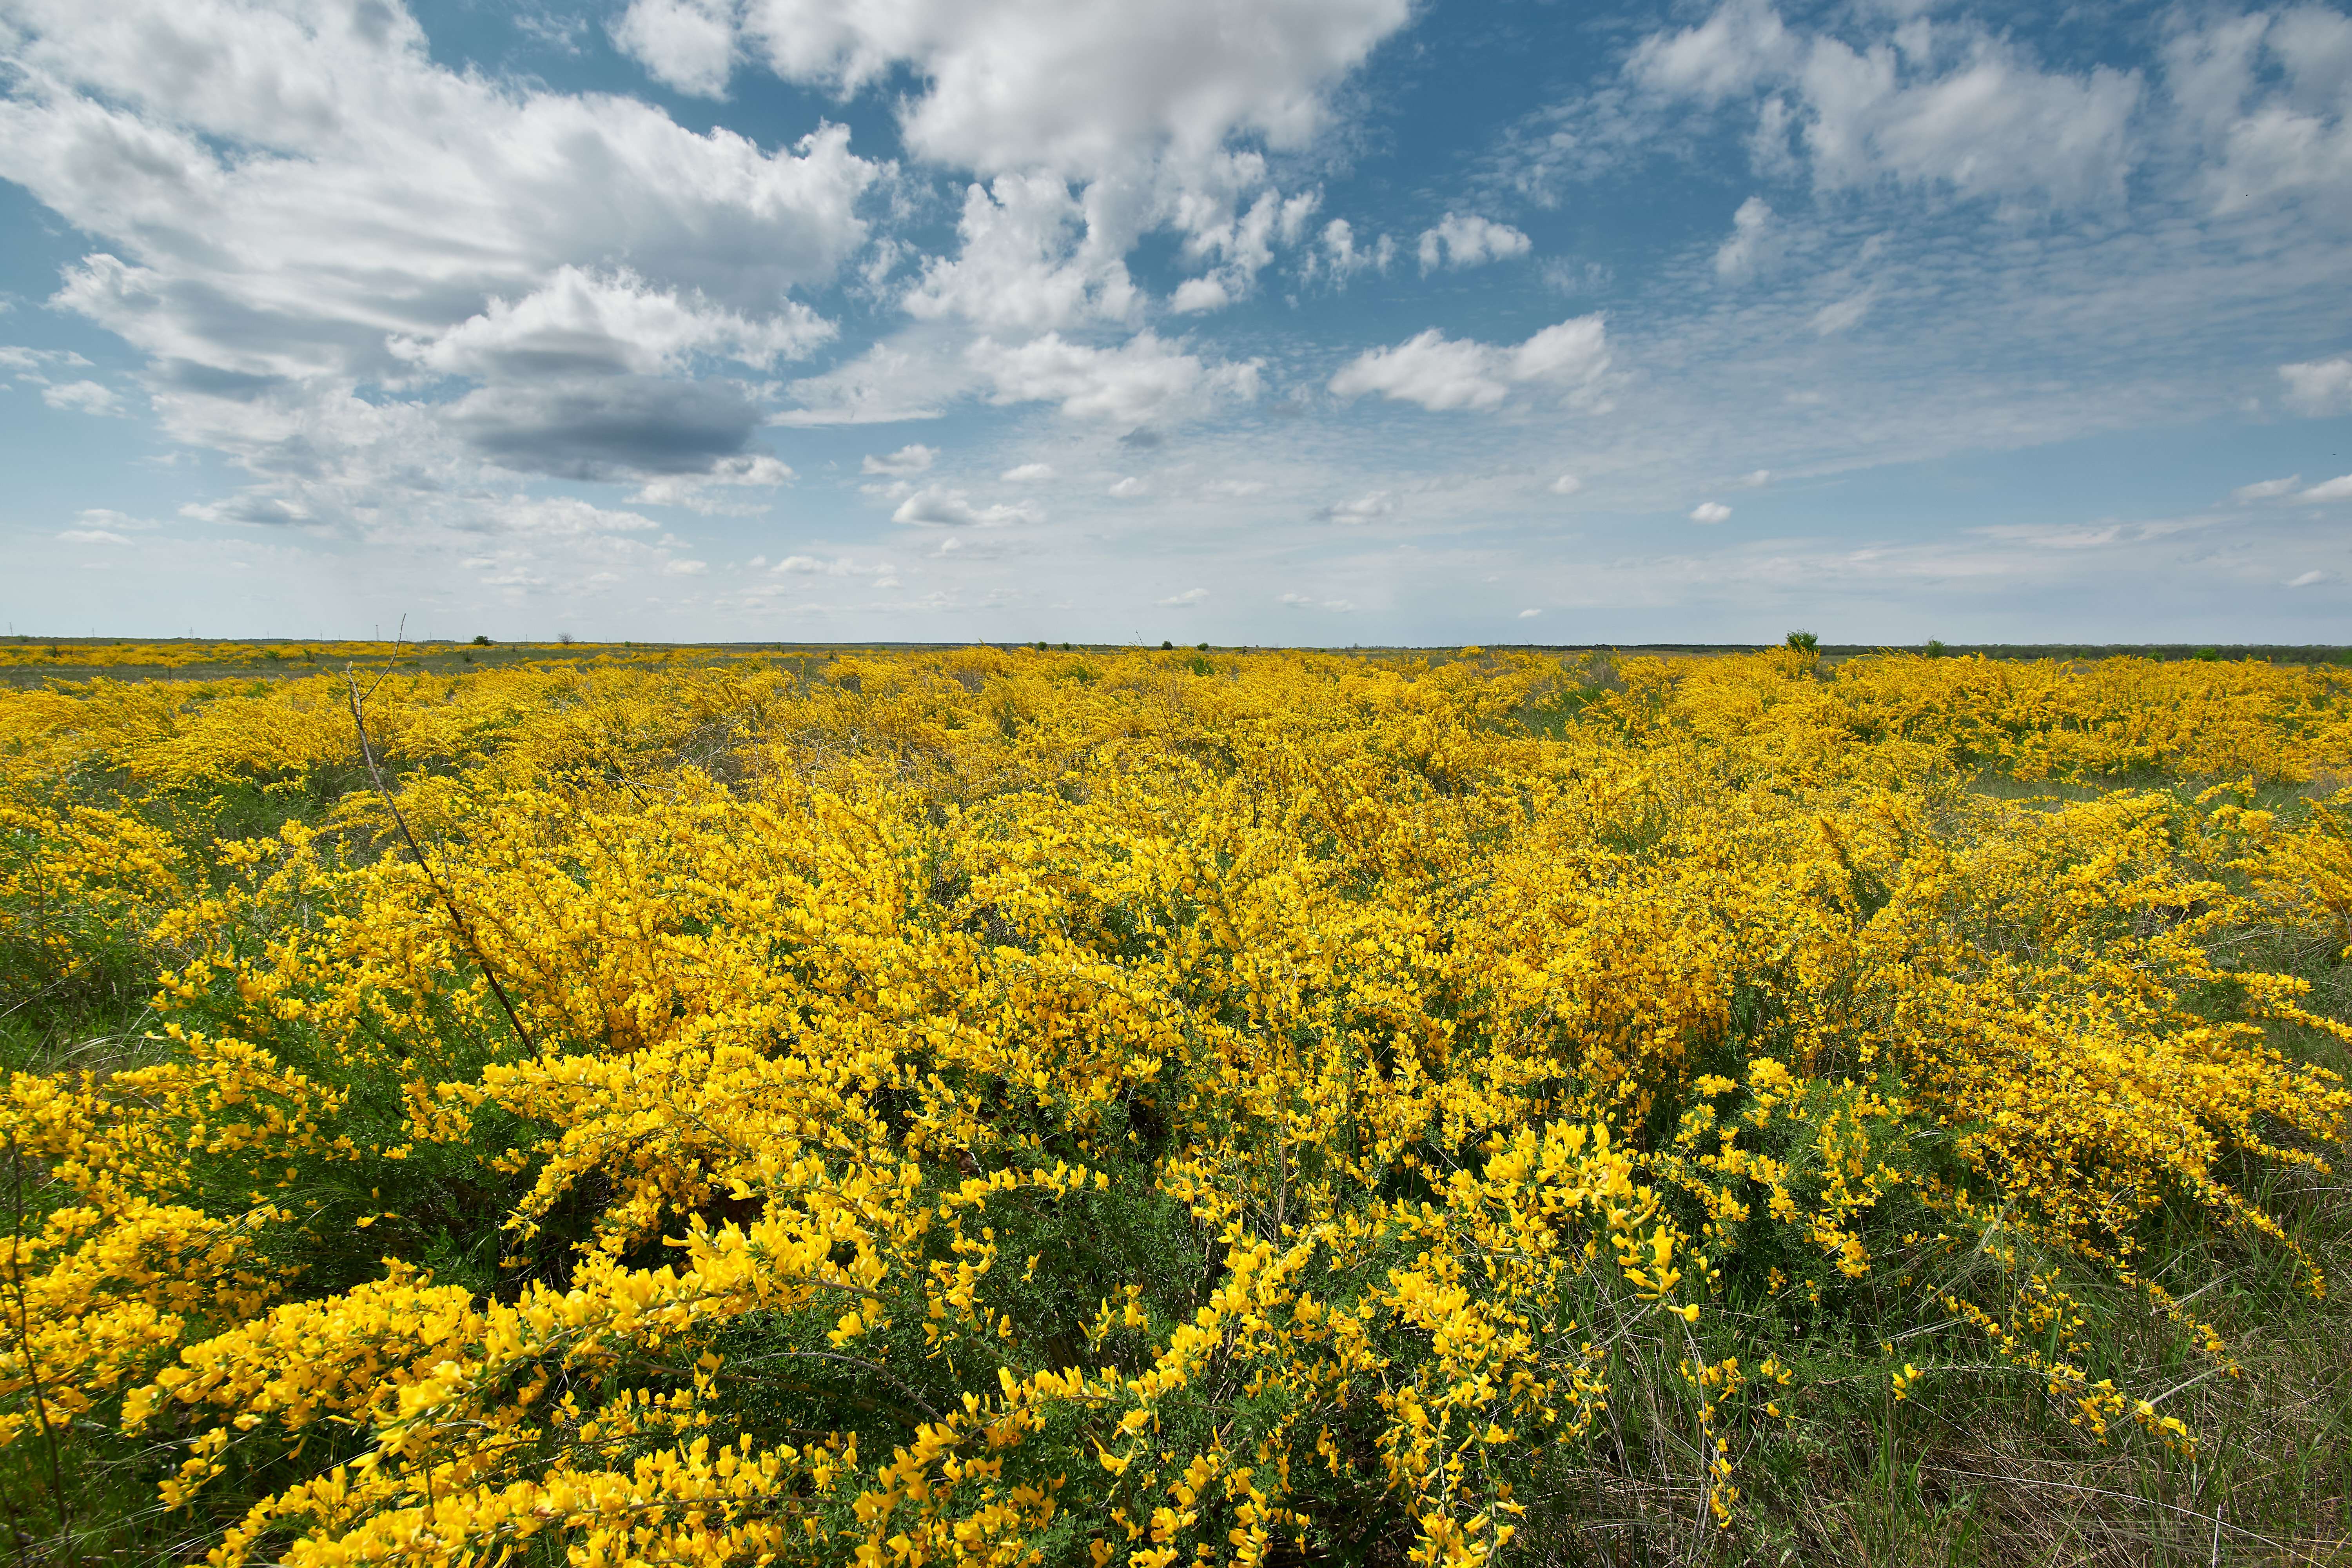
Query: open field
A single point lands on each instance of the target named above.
(1009, 1105)
(31, 662)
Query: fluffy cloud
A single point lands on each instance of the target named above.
(2266, 99)
(2318, 386)
(1442, 373)
(1134, 101)
(1752, 243)
(1341, 258)
(303, 213)
(1241, 242)
(1469, 241)
(1034, 257)
(396, 197)
(1185, 600)
(1083, 87)
(82, 397)
(579, 322)
(944, 508)
(1934, 102)
(312, 229)
(1028, 473)
(687, 44)
(908, 378)
(1143, 381)
(610, 428)
(709, 492)
(1741, 43)
(912, 458)
(1128, 488)
(1430, 369)
(2338, 488)
(1573, 353)
(1566, 484)
(1710, 511)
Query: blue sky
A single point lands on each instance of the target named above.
(1319, 322)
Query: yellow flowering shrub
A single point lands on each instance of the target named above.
(1002, 1107)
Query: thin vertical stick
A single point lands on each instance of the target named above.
(449, 902)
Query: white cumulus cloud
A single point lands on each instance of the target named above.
(892, 381)
(1342, 258)
(1944, 102)
(686, 44)
(1143, 381)
(584, 322)
(296, 210)
(1441, 373)
(2266, 96)
(2318, 386)
(718, 492)
(1034, 257)
(941, 507)
(1240, 241)
(1083, 87)
(1752, 243)
(911, 458)
(1710, 511)
(82, 397)
(1466, 241)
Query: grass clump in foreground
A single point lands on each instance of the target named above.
(1022, 1106)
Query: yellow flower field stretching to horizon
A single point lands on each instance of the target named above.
(1009, 1106)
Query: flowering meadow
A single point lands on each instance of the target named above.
(1016, 1107)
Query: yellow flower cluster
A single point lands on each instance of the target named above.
(1007, 1107)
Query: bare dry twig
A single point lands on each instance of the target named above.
(448, 902)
